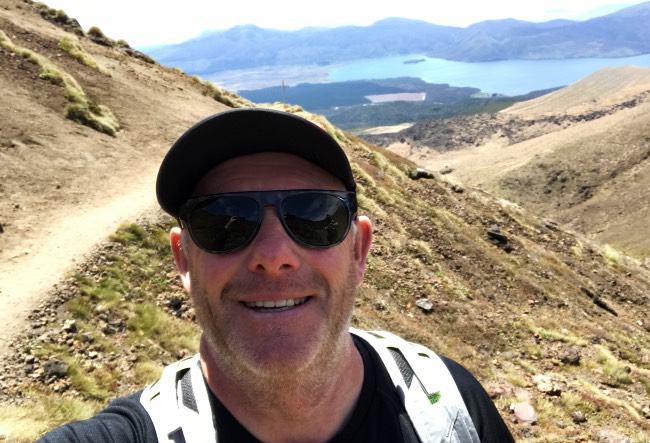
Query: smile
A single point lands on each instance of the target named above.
(276, 305)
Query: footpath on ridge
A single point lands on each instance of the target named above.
(60, 240)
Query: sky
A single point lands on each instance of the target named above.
(156, 22)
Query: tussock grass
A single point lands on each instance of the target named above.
(153, 241)
(221, 95)
(515, 379)
(615, 371)
(105, 294)
(362, 177)
(384, 197)
(40, 413)
(81, 108)
(577, 401)
(555, 335)
(422, 250)
(335, 132)
(630, 408)
(74, 49)
(96, 35)
(387, 166)
(94, 384)
(528, 367)
(368, 204)
(611, 255)
(146, 371)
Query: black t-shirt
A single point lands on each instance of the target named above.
(378, 417)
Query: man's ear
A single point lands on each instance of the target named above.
(362, 245)
(180, 256)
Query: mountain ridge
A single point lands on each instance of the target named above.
(619, 34)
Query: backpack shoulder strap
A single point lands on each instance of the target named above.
(179, 405)
(426, 387)
(180, 410)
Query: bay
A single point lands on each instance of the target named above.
(507, 77)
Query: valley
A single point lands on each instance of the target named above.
(576, 155)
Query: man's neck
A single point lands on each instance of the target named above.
(311, 409)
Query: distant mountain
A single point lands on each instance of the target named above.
(248, 46)
(623, 33)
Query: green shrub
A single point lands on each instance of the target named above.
(94, 31)
(97, 36)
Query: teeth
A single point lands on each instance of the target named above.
(269, 304)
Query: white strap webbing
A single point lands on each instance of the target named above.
(173, 420)
(197, 425)
(160, 401)
(432, 401)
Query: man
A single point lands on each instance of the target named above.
(271, 250)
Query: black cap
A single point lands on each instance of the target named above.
(239, 132)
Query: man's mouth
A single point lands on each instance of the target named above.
(276, 305)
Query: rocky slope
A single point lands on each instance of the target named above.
(546, 319)
(578, 155)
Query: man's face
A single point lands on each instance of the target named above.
(316, 285)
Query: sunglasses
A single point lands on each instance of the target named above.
(227, 222)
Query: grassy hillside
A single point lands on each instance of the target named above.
(538, 314)
(518, 301)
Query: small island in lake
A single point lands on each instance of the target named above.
(414, 61)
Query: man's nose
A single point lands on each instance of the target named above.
(273, 251)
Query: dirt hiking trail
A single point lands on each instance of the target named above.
(64, 187)
(63, 239)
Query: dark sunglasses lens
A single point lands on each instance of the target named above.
(224, 223)
(315, 219)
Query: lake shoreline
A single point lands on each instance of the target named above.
(507, 77)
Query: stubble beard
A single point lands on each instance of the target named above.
(272, 384)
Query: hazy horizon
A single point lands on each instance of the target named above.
(151, 23)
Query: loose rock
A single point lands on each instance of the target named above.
(70, 326)
(446, 170)
(55, 368)
(570, 356)
(424, 304)
(524, 412)
(578, 417)
(420, 173)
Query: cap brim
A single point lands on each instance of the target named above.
(239, 132)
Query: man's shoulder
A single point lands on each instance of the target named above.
(397, 345)
(123, 420)
(439, 377)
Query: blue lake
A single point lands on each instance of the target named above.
(509, 77)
